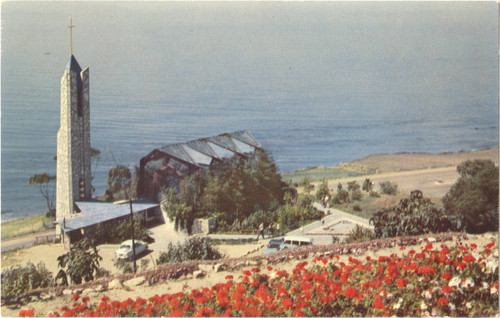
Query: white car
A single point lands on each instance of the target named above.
(125, 249)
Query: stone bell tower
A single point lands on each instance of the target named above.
(73, 139)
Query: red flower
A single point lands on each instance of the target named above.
(26, 313)
(105, 298)
(402, 282)
(428, 246)
(442, 300)
(205, 312)
(269, 268)
(229, 277)
(446, 289)
(246, 273)
(469, 258)
(378, 303)
(255, 270)
(490, 245)
(86, 299)
(287, 303)
(446, 276)
(350, 292)
(75, 296)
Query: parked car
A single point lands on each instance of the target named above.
(295, 241)
(125, 249)
(273, 246)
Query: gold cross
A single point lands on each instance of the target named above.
(70, 26)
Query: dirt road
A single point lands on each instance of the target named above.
(23, 241)
(434, 183)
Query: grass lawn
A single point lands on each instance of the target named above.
(24, 226)
(317, 174)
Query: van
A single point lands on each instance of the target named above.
(295, 241)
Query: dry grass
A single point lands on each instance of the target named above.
(24, 226)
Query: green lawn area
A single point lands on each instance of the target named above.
(316, 174)
(24, 226)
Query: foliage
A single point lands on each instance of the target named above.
(294, 216)
(473, 199)
(413, 216)
(359, 234)
(367, 185)
(341, 196)
(124, 230)
(233, 190)
(356, 195)
(374, 194)
(124, 265)
(305, 183)
(459, 281)
(388, 187)
(117, 233)
(192, 249)
(17, 280)
(122, 183)
(47, 190)
(323, 191)
(81, 262)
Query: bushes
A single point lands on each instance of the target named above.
(18, 279)
(80, 263)
(473, 199)
(412, 216)
(359, 234)
(294, 216)
(119, 232)
(388, 187)
(192, 249)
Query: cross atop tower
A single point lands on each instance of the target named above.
(70, 27)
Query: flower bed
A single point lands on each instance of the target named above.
(436, 280)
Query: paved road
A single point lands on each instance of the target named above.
(334, 216)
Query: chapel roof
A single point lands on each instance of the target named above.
(201, 152)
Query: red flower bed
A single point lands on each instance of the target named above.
(444, 281)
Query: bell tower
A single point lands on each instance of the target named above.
(73, 139)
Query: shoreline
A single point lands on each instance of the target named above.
(386, 163)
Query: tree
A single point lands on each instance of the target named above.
(367, 185)
(413, 216)
(46, 189)
(323, 192)
(119, 181)
(306, 184)
(81, 262)
(473, 199)
(388, 187)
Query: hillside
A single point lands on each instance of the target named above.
(192, 277)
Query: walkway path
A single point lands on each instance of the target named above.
(23, 241)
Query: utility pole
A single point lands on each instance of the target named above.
(133, 238)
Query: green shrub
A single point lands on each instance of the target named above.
(356, 195)
(17, 280)
(192, 249)
(388, 187)
(374, 194)
(412, 216)
(473, 199)
(341, 196)
(80, 263)
(367, 185)
(124, 265)
(291, 217)
(359, 234)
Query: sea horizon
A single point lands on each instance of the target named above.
(317, 84)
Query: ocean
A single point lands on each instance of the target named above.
(316, 83)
